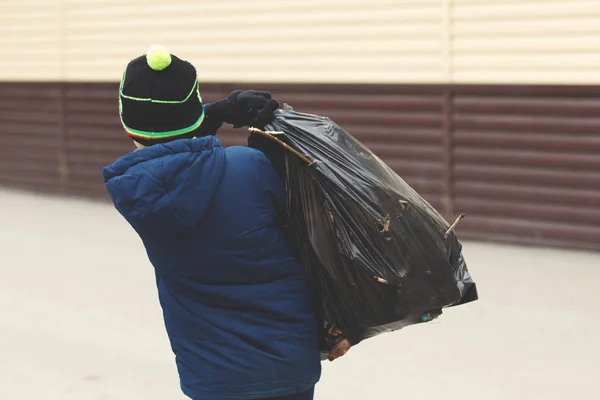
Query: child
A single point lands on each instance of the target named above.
(237, 308)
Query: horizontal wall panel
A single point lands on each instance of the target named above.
(95, 136)
(510, 76)
(519, 170)
(531, 140)
(49, 143)
(542, 41)
(522, 231)
(575, 107)
(14, 104)
(528, 193)
(36, 118)
(96, 141)
(576, 44)
(523, 10)
(550, 123)
(528, 159)
(538, 211)
(39, 155)
(31, 41)
(39, 181)
(329, 41)
(31, 135)
(30, 165)
(528, 176)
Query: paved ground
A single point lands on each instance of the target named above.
(79, 319)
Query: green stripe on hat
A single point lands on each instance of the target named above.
(164, 135)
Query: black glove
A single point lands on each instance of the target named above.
(214, 116)
(251, 108)
(242, 108)
(266, 114)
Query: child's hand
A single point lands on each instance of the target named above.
(251, 108)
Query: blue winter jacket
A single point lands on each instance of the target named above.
(236, 305)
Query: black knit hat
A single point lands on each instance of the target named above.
(159, 98)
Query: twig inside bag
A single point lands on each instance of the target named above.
(271, 135)
(453, 226)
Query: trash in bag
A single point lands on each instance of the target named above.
(378, 256)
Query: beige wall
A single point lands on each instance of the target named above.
(369, 41)
(30, 40)
(526, 41)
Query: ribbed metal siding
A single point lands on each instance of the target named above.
(525, 41)
(95, 136)
(325, 41)
(31, 141)
(527, 163)
(31, 40)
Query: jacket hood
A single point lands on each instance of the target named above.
(167, 188)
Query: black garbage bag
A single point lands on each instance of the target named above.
(378, 256)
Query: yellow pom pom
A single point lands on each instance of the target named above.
(158, 58)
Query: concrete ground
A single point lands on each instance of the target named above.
(79, 319)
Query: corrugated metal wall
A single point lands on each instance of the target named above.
(325, 41)
(31, 135)
(527, 164)
(263, 40)
(31, 41)
(94, 135)
(525, 41)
